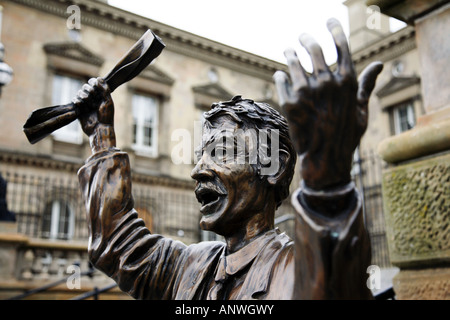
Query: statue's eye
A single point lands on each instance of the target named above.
(198, 153)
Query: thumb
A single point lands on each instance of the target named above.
(367, 81)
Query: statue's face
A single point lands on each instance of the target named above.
(230, 191)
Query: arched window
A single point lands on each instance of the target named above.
(58, 221)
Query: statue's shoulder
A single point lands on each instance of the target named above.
(282, 240)
(281, 246)
(206, 246)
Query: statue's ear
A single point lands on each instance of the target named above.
(277, 171)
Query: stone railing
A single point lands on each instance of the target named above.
(48, 260)
(47, 269)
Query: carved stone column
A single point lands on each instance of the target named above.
(10, 240)
(416, 187)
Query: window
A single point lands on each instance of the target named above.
(64, 90)
(145, 125)
(58, 221)
(404, 117)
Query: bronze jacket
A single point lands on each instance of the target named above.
(329, 263)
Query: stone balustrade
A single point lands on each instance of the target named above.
(28, 263)
(47, 260)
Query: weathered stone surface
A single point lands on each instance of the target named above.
(425, 284)
(418, 142)
(434, 47)
(10, 240)
(406, 10)
(8, 227)
(417, 207)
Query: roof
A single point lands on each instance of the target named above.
(120, 22)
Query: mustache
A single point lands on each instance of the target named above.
(211, 185)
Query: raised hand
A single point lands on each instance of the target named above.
(98, 121)
(327, 111)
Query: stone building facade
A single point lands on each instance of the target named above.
(397, 101)
(394, 107)
(409, 128)
(416, 186)
(55, 47)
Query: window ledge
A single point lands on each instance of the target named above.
(420, 141)
(145, 152)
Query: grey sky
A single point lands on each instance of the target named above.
(263, 27)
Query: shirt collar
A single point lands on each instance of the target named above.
(235, 262)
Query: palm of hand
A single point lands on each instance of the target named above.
(326, 111)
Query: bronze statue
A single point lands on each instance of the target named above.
(327, 115)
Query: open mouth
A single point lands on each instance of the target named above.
(208, 198)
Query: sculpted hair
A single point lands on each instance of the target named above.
(260, 116)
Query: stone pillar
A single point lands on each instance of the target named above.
(362, 33)
(416, 187)
(10, 241)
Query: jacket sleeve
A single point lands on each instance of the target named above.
(143, 265)
(332, 245)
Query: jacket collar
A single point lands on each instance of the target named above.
(258, 253)
(266, 247)
(231, 264)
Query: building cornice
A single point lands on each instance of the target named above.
(215, 90)
(156, 74)
(388, 48)
(120, 22)
(75, 51)
(396, 84)
(72, 166)
(38, 161)
(408, 11)
(206, 95)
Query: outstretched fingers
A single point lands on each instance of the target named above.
(367, 81)
(315, 52)
(283, 86)
(344, 58)
(298, 74)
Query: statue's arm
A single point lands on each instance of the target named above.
(144, 265)
(332, 254)
(327, 115)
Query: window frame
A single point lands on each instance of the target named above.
(138, 127)
(410, 114)
(64, 134)
(55, 213)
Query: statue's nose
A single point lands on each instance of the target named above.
(201, 171)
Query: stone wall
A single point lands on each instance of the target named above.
(417, 203)
(416, 188)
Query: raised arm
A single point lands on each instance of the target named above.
(327, 115)
(98, 123)
(144, 265)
